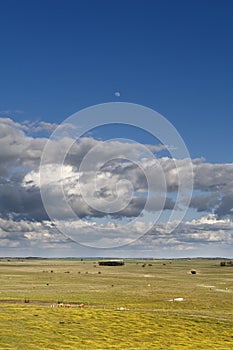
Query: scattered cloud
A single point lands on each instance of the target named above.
(113, 173)
(10, 112)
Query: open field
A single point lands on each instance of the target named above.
(125, 307)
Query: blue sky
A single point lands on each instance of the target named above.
(173, 56)
(58, 57)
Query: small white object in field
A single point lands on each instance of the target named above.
(178, 299)
(121, 308)
(149, 285)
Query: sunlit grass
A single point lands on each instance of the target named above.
(33, 327)
(150, 320)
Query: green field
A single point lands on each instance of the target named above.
(125, 307)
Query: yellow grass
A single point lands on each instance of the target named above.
(148, 320)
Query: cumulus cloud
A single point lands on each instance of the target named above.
(25, 233)
(18, 149)
(205, 202)
(225, 207)
(204, 233)
(210, 177)
(43, 126)
(24, 202)
(97, 174)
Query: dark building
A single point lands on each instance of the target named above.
(111, 262)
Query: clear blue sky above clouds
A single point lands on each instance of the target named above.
(58, 57)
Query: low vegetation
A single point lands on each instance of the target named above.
(73, 304)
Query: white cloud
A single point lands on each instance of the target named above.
(122, 180)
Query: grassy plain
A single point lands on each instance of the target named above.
(126, 307)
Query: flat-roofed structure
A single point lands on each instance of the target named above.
(111, 262)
